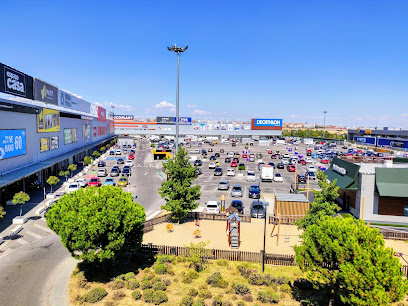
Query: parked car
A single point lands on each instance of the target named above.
(251, 157)
(244, 155)
(227, 160)
(199, 172)
(102, 172)
(129, 163)
(73, 187)
(301, 178)
(236, 191)
(211, 165)
(277, 177)
(308, 160)
(231, 172)
(111, 152)
(210, 150)
(272, 165)
(198, 162)
(254, 192)
(126, 171)
(120, 161)
(123, 182)
(94, 181)
(257, 209)
(223, 185)
(109, 181)
(217, 154)
(131, 156)
(101, 164)
(82, 182)
(114, 172)
(291, 168)
(302, 161)
(118, 152)
(324, 161)
(218, 171)
(311, 175)
(212, 207)
(311, 169)
(238, 205)
(280, 166)
(212, 157)
(117, 168)
(234, 164)
(250, 177)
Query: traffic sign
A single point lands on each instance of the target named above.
(222, 197)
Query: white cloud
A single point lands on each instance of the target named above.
(293, 116)
(200, 112)
(191, 106)
(164, 104)
(118, 107)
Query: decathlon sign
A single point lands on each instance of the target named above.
(339, 170)
(266, 124)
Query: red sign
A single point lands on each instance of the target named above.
(101, 114)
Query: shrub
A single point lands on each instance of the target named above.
(268, 297)
(248, 298)
(165, 258)
(148, 295)
(213, 279)
(82, 282)
(256, 279)
(147, 276)
(136, 294)
(199, 302)
(160, 269)
(109, 303)
(205, 294)
(192, 292)
(118, 284)
(303, 284)
(146, 270)
(159, 286)
(128, 276)
(186, 280)
(245, 272)
(222, 283)
(167, 281)
(262, 297)
(132, 284)
(241, 289)
(285, 288)
(228, 303)
(181, 258)
(222, 262)
(118, 295)
(241, 303)
(95, 295)
(159, 297)
(170, 271)
(282, 280)
(217, 301)
(146, 285)
(187, 301)
(203, 286)
(192, 274)
(155, 279)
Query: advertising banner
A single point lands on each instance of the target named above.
(101, 114)
(230, 127)
(8, 107)
(369, 140)
(266, 124)
(48, 120)
(15, 82)
(86, 131)
(70, 136)
(94, 110)
(172, 120)
(210, 126)
(54, 142)
(12, 143)
(184, 120)
(216, 127)
(45, 92)
(223, 127)
(44, 144)
(236, 127)
(124, 117)
(67, 100)
(202, 127)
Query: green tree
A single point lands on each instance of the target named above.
(63, 173)
(52, 181)
(87, 160)
(96, 154)
(72, 168)
(21, 198)
(98, 224)
(323, 204)
(351, 259)
(102, 149)
(198, 255)
(178, 191)
(2, 213)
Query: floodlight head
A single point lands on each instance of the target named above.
(177, 49)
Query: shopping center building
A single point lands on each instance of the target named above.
(375, 190)
(43, 129)
(385, 137)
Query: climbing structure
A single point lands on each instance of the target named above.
(234, 230)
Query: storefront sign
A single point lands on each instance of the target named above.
(54, 142)
(44, 144)
(101, 114)
(124, 117)
(15, 82)
(266, 124)
(67, 100)
(70, 136)
(8, 107)
(48, 120)
(86, 131)
(172, 120)
(45, 92)
(12, 143)
(339, 170)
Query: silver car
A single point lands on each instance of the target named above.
(257, 209)
(82, 182)
(223, 185)
(236, 191)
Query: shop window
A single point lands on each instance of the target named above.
(405, 210)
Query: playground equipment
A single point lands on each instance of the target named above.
(197, 234)
(234, 230)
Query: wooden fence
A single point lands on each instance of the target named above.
(285, 219)
(394, 235)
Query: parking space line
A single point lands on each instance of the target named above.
(34, 235)
(22, 241)
(43, 228)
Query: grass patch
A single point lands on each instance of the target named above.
(346, 215)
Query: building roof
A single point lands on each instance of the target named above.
(348, 181)
(291, 197)
(392, 182)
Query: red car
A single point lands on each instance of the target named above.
(309, 151)
(131, 156)
(95, 181)
(273, 156)
(234, 164)
(302, 161)
(324, 161)
(244, 155)
(270, 152)
(291, 168)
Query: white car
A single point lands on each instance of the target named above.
(231, 154)
(231, 172)
(102, 172)
(277, 177)
(285, 161)
(286, 155)
(212, 207)
(251, 177)
(309, 160)
(311, 169)
(129, 162)
(118, 152)
(82, 182)
(211, 165)
(73, 187)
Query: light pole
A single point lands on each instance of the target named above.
(113, 111)
(178, 50)
(324, 123)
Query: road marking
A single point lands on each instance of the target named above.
(46, 229)
(22, 241)
(34, 235)
(6, 252)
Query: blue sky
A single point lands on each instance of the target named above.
(246, 59)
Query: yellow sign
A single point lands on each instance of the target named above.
(368, 131)
(222, 197)
(48, 120)
(44, 144)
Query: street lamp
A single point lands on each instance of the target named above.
(178, 50)
(324, 123)
(113, 111)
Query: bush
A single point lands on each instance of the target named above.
(95, 295)
(228, 303)
(205, 294)
(148, 276)
(248, 298)
(285, 288)
(199, 302)
(187, 301)
(148, 295)
(222, 283)
(262, 297)
(82, 282)
(159, 297)
(181, 258)
(118, 295)
(186, 280)
(155, 279)
(213, 279)
(192, 274)
(118, 284)
(222, 262)
(160, 269)
(132, 284)
(245, 272)
(146, 270)
(170, 271)
(256, 279)
(268, 297)
(282, 280)
(159, 286)
(129, 276)
(136, 294)
(217, 301)
(167, 281)
(241, 303)
(161, 259)
(203, 286)
(192, 292)
(241, 289)
(146, 285)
